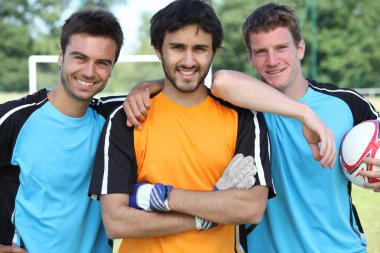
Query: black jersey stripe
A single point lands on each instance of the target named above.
(353, 102)
(104, 189)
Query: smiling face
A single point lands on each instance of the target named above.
(85, 67)
(278, 60)
(186, 56)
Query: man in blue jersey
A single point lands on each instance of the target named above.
(48, 143)
(312, 211)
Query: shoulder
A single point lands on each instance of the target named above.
(230, 106)
(106, 105)
(24, 106)
(333, 90)
(361, 108)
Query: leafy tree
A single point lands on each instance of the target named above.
(31, 27)
(348, 37)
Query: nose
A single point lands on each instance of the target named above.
(188, 59)
(89, 70)
(272, 59)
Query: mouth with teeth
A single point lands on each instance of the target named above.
(275, 72)
(187, 73)
(83, 83)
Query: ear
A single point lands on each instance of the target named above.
(249, 55)
(60, 56)
(158, 53)
(301, 50)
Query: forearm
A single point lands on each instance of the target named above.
(121, 221)
(221, 206)
(248, 92)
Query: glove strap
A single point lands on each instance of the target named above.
(141, 196)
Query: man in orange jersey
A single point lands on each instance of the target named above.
(181, 151)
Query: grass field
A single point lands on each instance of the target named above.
(367, 202)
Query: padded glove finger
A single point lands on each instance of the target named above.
(202, 224)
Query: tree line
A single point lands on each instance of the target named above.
(341, 38)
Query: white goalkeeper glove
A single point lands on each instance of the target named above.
(202, 224)
(151, 197)
(240, 173)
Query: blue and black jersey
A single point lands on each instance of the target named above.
(46, 161)
(312, 211)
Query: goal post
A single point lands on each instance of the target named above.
(34, 60)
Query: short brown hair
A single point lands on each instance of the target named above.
(181, 13)
(95, 22)
(269, 17)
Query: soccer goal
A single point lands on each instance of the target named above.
(129, 70)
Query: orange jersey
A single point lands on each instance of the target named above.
(189, 148)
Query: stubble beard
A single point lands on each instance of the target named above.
(182, 89)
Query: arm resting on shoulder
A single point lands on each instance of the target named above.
(248, 92)
(137, 103)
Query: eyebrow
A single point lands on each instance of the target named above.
(276, 46)
(182, 44)
(85, 56)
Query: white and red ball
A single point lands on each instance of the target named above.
(363, 140)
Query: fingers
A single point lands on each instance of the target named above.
(11, 249)
(322, 145)
(374, 186)
(247, 182)
(316, 132)
(242, 167)
(247, 173)
(239, 168)
(373, 161)
(373, 175)
(328, 151)
(234, 162)
(136, 106)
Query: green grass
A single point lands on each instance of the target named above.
(366, 201)
(367, 204)
(6, 96)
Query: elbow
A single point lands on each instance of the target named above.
(217, 87)
(256, 217)
(254, 206)
(252, 216)
(111, 231)
(112, 235)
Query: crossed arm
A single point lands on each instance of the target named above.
(122, 221)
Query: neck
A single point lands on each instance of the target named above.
(66, 104)
(298, 90)
(187, 99)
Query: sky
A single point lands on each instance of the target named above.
(130, 17)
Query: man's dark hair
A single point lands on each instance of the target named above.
(95, 22)
(181, 13)
(269, 17)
